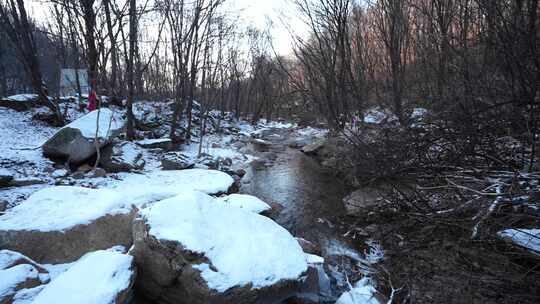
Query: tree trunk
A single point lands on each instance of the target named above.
(130, 67)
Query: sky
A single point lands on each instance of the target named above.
(279, 12)
(255, 12)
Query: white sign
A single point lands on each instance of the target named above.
(68, 82)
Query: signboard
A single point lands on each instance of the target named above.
(68, 82)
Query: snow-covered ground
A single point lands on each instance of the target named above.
(22, 137)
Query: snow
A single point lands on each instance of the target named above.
(275, 124)
(63, 207)
(5, 172)
(222, 150)
(246, 202)
(139, 189)
(312, 132)
(19, 131)
(8, 258)
(527, 238)
(57, 269)
(193, 151)
(22, 97)
(338, 248)
(11, 277)
(419, 113)
(146, 142)
(314, 259)
(243, 247)
(59, 173)
(129, 153)
(97, 277)
(109, 122)
(27, 295)
(362, 293)
(377, 115)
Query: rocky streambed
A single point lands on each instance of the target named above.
(184, 237)
(309, 198)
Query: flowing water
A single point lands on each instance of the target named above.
(312, 203)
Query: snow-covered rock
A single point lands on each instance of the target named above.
(59, 173)
(419, 113)
(22, 97)
(6, 177)
(191, 249)
(362, 293)
(20, 102)
(176, 161)
(103, 276)
(261, 142)
(9, 258)
(16, 278)
(246, 202)
(163, 143)
(314, 147)
(76, 141)
(122, 157)
(60, 224)
(140, 189)
(18, 273)
(378, 115)
(527, 238)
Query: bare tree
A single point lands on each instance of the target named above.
(17, 27)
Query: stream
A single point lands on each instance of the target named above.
(311, 198)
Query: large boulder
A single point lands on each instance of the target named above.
(103, 276)
(76, 141)
(122, 157)
(190, 249)
(60, 224)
